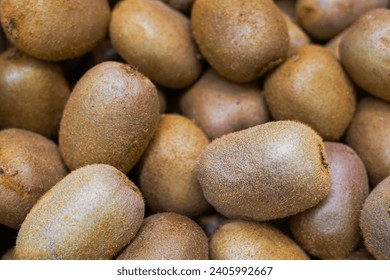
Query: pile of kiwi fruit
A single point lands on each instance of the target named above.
(195, 129)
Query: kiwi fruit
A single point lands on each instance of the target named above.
(33, 93)
(55, 30)
(157, 40)
(242, 40)
(297, 36)
(375, 221)
(167, 168)
(288, 7)
(281, 164)
(167, 236)
(244, 240)
(9, 255)
(364, 53)
(109, 118)
(93, 213)
(30, 165)
(331, 230)
(220, 106)
(324, 19)
(334, 45)
(369, 136)
(312, 87)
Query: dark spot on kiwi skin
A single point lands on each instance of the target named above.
(1, 171)
(323, 160)
(13, 54)
(11, 24)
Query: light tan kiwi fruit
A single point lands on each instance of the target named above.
(220, 106)
(325, 19)
(331, 229)
(364, 51)
(109, 118)
(167, 168)
(369, 136)
(297, 37)
(311, 87)
(375, 221)
(30, 165)
(334, 45)
(55, 30)
(281, 164)
(242, 40)
(167, 236)
(157, 40)
(33, 93)
(93, 213)
(243, 240)
(9, 255)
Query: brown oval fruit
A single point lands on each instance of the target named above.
(297, 37)
(242, 40)
(280, 164)
(167, 236)
(369, 136)
(157, 40)
(364, 51)
(312, 87)
(375, 221)
(167, 169)
(242, 240)
(220, 106)
(55, 30)
(92, 213)
(331, 230)
(30, 165)
(324, 19)
(109, 118)
(334, 45)
(33, 93)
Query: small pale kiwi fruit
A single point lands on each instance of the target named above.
(243, 240)
(266, 172)
(93, 213)
(375, 221)
(167, 168)
(167, 236)
(30, 165)
(109, 118)
(331, 229)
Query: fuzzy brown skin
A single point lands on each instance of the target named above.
(9, 255)
(242, 40)
(167, 169)
(33, 93)
(369, 136)
(334, 45)
(324, 19)
(297, 37)
(30, 165)
(55, 30)
(92, 213)
(331, 230)
(157, 40)
(266, 172)
(375, 221)
(242, 240)
(312, 87)
(364, 51)
(220, 106)
(167, 236)
(109, 118)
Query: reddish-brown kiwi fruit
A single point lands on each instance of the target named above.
(30, 165)
(312, 87)
(55, 30)
(375, 221)
(167, 236)
(109, 118)
(331, 229)
(167, 168)
(242, 40)
(33, 93)
(364, 51)
(157, 40)
(220, 106)
(93, 213)
(266, 172)
(324, 19)
(369, 136)
(243, 240)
